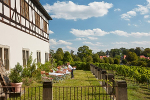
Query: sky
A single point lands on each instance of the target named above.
(98, 24)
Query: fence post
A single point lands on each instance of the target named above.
(121, 90)
(47, 91)
(109, 86)
(103, 77)
(91, 67)
(93, 70)
(96, 69)
(98, 73)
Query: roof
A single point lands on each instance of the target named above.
(41, 8)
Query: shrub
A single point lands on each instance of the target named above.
(116, 61)
(142, 63)
(133, 63)
(27, 81)
(15, 74)
(124, 61)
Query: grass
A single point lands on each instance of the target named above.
(78, 88)
(84, 86)
(135, 91)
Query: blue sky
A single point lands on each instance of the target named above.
(101, 25)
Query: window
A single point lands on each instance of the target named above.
(7, 2)
(46, 57)
(24, 9)
(44, 26)
(37, 19)
(25, 54)
(38, 57)
(4, 56)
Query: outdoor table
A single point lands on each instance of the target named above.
(56, 74)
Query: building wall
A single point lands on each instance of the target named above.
(17, 41)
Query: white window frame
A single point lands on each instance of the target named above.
(5, 47)
(46, 56)
(38, 53)
(26, 59)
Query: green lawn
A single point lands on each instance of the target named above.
(84, 86)
(78, 88)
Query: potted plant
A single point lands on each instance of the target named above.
(15, 77)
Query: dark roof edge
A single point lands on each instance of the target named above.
(41, 8)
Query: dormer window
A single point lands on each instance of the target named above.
(37, 19)
(7, 2)
(24, 9)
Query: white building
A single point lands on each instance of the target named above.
(23, 29)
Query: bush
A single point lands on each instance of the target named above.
(106, 60)
(116, 61)
(124, 61)
(142, 63)
(27, 81)
(133, 63)
(15, 74)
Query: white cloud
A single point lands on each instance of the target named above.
(64, 42)
(71, 48)
(60, 42)
(78, 39)
(138, 34)
(92, 38)
(135, 25)
(120, 33)
(119, 43)
(52, 42)
(141, 42)
(129, 24)
(50, 32)
(85, 33)
(128, 15)
(148, 21)
(146, 16)
(117, 9)
(70, 10)
(93, 44)
(142, 9)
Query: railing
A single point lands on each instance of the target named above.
(25, 93)
(81, 93)
(49, 92)
(118, 86)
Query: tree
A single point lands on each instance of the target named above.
(76, 58)
(131, 56)
(67, 57)
(101, 53)
(114, 52)
(124, 51)
(124, 61)
(89, 59)
(106, 60)
(51, 53)
(138, 51)
(84, 51)
(116, 61)
(95, 58)
(146, 52)
(59, 55)
(131, 49)
(111, 61)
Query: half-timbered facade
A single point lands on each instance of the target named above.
(23, 29)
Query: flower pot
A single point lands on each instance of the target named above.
(16, 86)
